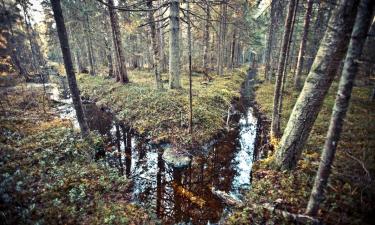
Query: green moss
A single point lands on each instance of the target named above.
(163, 114)
(348, 196)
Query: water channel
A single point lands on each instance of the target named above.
(178, 195)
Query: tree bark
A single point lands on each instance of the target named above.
(89, 44)
(270, 41)
(301, 53)
(310, 100)
(64, 43)
(221, 39)
(155, 47)
(275, 124)
(206, 36)
(190, 71)
(109, 57)
(122, 74)
(174, 45)
(362, 24)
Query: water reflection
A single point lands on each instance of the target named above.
(180, 195)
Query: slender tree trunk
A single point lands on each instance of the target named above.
(190, 71)
(163, 58)
(174, 45)
(155, 47)
(109, 57)
(64, 43)
(310, 100)
(275, 125)
(120, 55)
(270, 40)
(87, 32)
(301, 53)
(206, 37)
(233, 48)
(362, 24)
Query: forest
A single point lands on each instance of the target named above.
(193, 112)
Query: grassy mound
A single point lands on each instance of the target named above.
(163, 114)
(350, 192)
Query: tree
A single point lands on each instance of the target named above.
(174, 45)
(270, 40)
(122, 73)
(190, 70)
(362, 24)
(301, 53)
(155, 47)
(310, 100)
(206, 36)
(275, 125)
(65, 49)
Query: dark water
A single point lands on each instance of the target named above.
(179, 196)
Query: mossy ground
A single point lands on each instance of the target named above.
(350, 193)
(162, 115)
(47, 174)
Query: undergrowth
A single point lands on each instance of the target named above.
(47, 175)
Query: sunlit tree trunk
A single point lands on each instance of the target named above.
(122, 74)
(64, 43)
(310, 100)
(358, 38)
(174, 45)
(301, 53)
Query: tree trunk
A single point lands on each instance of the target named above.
(301, 53)
(122, 74)
(206, 37)
(174, 45)
(221, 39)
(275, 125)
(285, 73)
(155, 47)
(362, 24)
(310, 100)
(270, 40)
(190, 71)
(64, 43)
(109, 57)
(89, 44)
(233, 48)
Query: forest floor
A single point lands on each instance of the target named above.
(350, 193)
(47, 175)
(162, 115)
